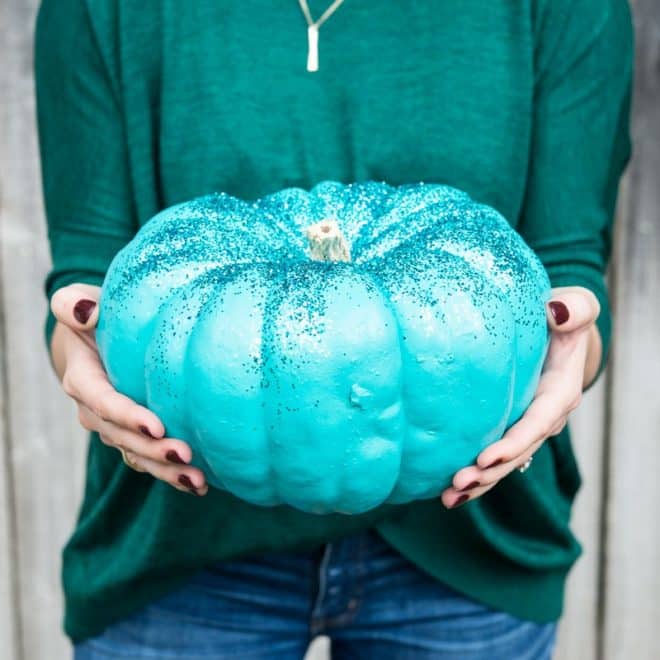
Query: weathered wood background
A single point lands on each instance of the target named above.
(613, 605)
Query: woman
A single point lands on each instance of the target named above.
(142, 105)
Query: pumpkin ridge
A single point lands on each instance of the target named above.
(206, 324)
(268, 314)
(157, 368)
(405, 260)
(398, 220)
(403, 416)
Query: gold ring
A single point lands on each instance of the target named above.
(128, 461)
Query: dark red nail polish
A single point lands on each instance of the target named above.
(145, 431)
(559, 311)
(462, 499)
(474, 484)
(82, 310)
(173, 457)
(494, 463)
(184, 480)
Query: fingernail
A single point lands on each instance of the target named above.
(184, 480)
(145, 431)
(82, 310)
(474, 484)
(173, 457)
(461, 500)
(494, 463)
(559, 311)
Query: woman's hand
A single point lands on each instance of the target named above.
(571, 364)
(120, 422)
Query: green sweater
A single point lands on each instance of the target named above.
(145, 104)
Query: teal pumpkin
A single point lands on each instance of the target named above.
(330, 349)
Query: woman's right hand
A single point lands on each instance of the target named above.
(119, 421)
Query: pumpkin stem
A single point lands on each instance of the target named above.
(327, 242)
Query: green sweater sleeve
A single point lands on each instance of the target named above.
(84, 159)
(580, 142)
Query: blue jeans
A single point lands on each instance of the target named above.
(365, 596)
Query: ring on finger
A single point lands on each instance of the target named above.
(127, 460)
(525, 466)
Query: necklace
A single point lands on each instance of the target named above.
(313, 31)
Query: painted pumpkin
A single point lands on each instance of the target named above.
(332, 349)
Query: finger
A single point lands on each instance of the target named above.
(137, 453)
(537, 423)
(566, 358)
(76, 306)
(572, 308)
(559, 426)
(452, 498)
(164, 450)
(520, 461)
(183, 478)
(85, 381)
(546, 416)
(114, 407)
(559, 392)
(476, 481)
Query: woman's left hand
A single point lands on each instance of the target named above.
(571, 364)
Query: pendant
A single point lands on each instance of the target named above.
(312, 48)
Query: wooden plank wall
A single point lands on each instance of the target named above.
(612, 608)
(632, 557)
(43, 444)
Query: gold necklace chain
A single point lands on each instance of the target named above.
(313, 31)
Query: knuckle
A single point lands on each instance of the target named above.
(98, 411)
(575, 401)
(111, 407)
(101, 408)
(545, 429)
(105, 439)
(135, 461)
(68, 384)
(84, 419)
(541, 425)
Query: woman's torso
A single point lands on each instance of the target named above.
(216, 96)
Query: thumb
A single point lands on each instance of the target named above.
(76, 306)
(571, 308)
